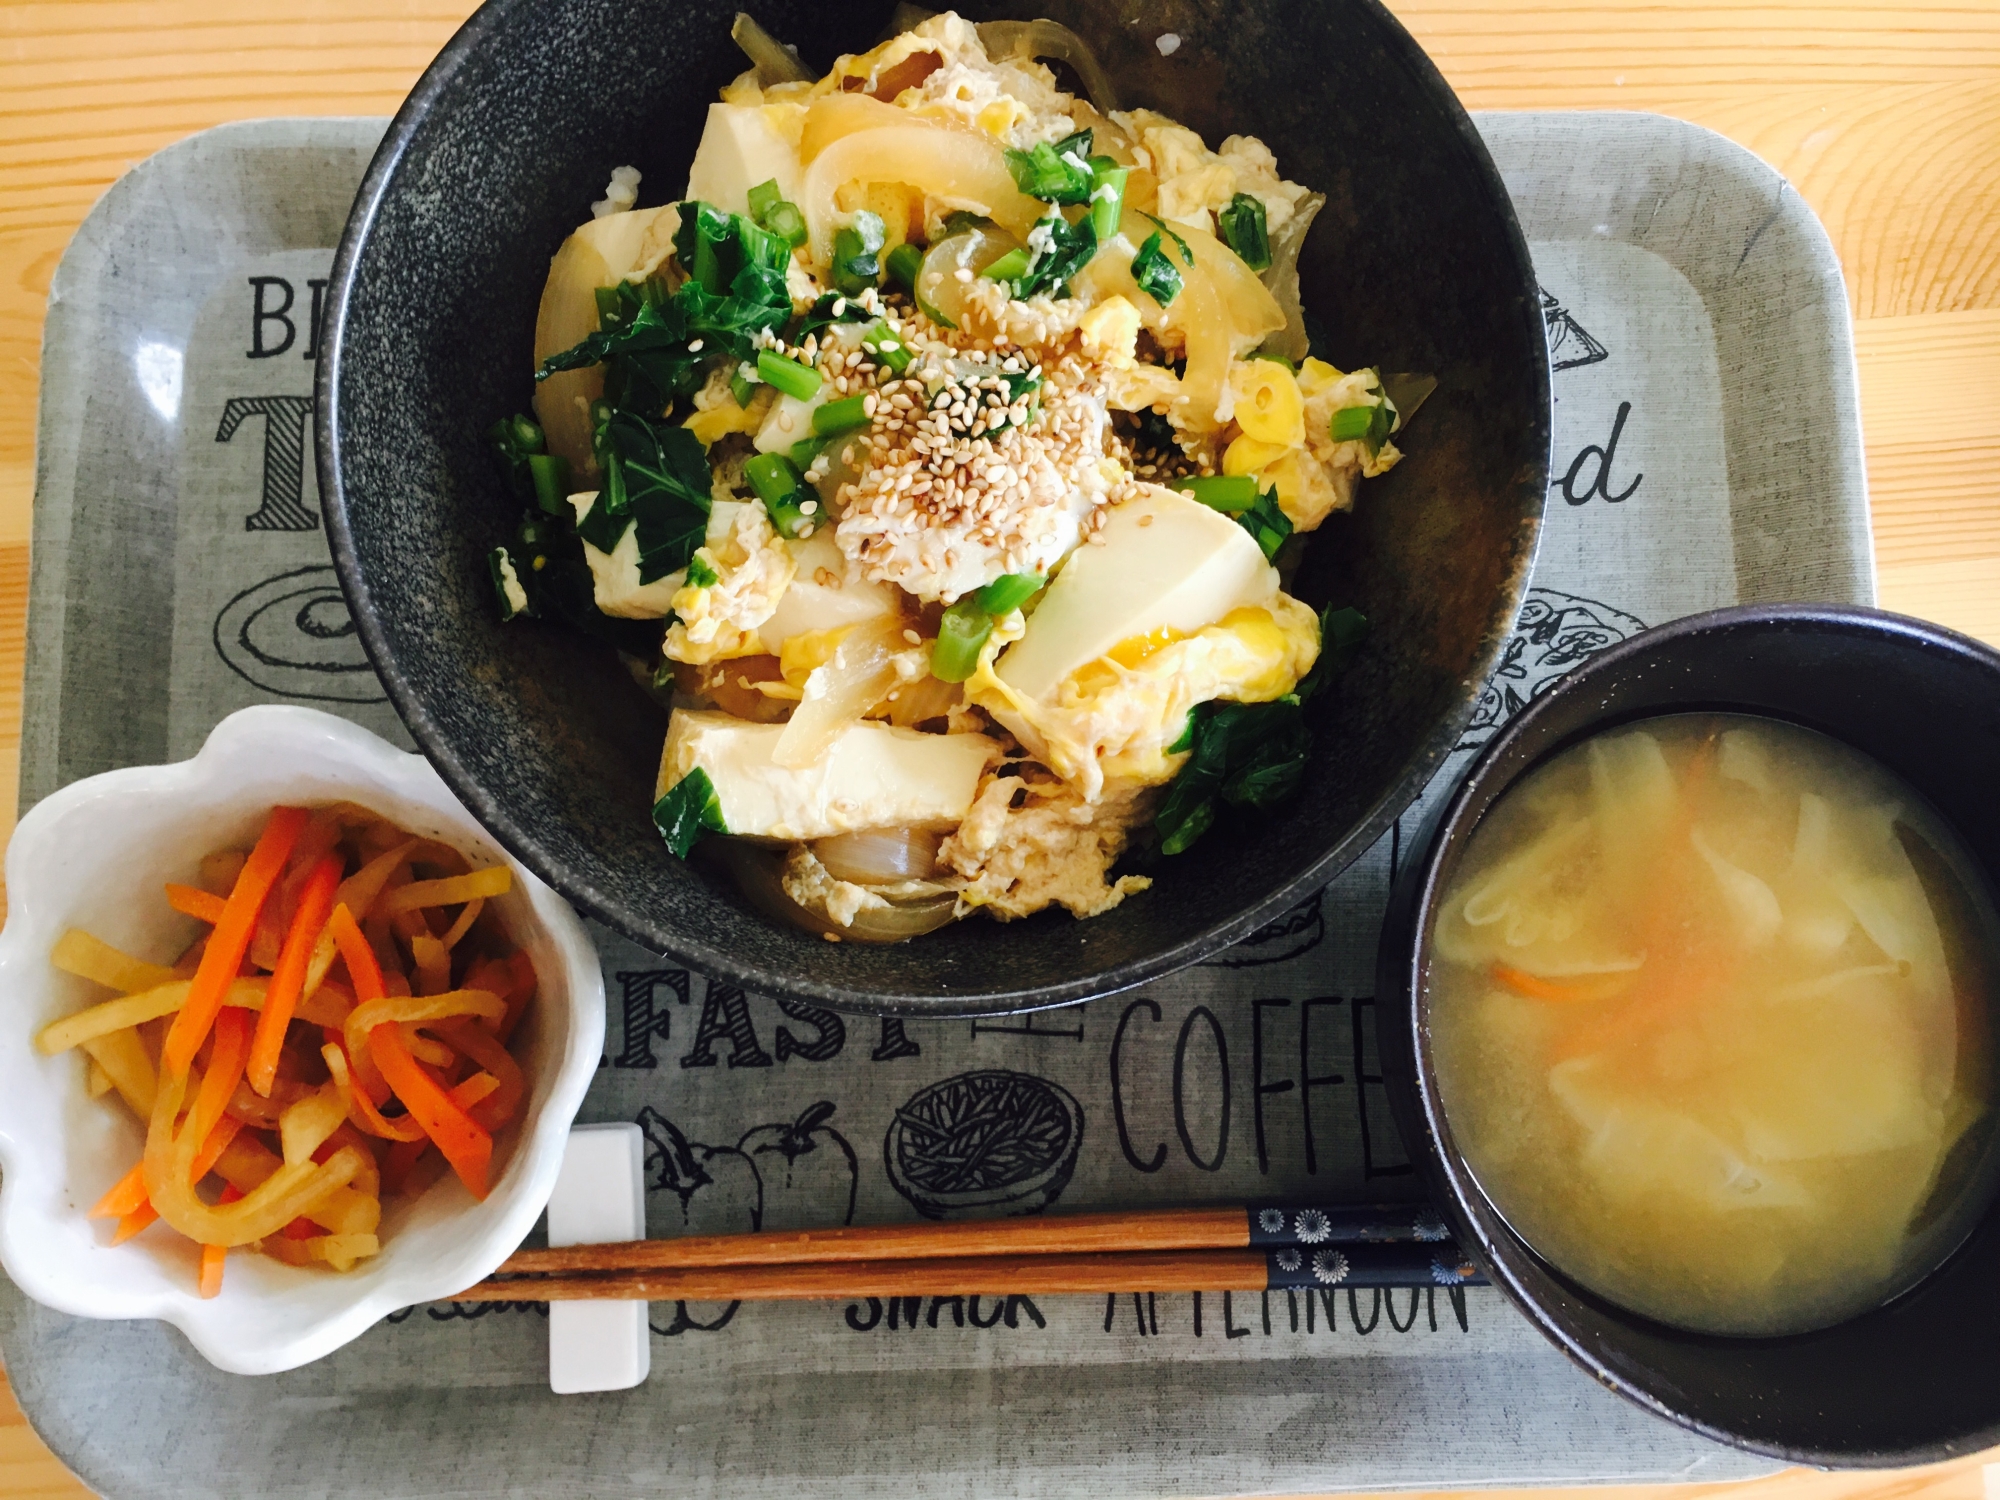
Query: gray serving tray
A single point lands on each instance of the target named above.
(1707, 453)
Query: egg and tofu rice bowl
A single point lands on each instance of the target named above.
(935, 457)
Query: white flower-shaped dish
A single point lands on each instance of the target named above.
(94, 856)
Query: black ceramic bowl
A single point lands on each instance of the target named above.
(1916, 1379)
(496, 157)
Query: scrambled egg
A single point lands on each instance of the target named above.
(752, 570)
(1195, 183)
(1053, 848)
(939, 69)
(1115, 719)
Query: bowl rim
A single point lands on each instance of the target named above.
(658, 935)
(31, 1140)
(1413, 911)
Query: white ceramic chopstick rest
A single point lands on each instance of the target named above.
(600, 1198)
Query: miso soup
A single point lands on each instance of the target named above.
(1709, 1004)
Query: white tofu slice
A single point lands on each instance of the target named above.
(809, 604)
(1166, 563)
(789, 421)
(739, 149)
(614, 575)
(872, 776)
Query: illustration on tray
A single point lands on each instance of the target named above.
(1554, 633)
(1570, 343)
(292, 635)
(988, 1144)
(1294, 932)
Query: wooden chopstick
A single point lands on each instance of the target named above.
(1225, 1227)
(1359, 1265)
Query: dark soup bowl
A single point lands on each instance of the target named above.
(1917, 1377)
(495, 159)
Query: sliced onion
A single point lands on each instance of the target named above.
(1282, 279)
(837, 694)
(774, 61)
(1044, 38)
(879, 855)
(759, 874)
(961, 168)
(939, 291)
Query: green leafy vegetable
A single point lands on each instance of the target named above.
(1187, 255)
(1243, 230)
(1250, 754)
(799, 381)
(822, 315)
(1061, 249)
(656, 479)
(903, 263)
(700, 574)
(654, 343)
(1155, 274)
(791, 505)
(689, 810)
(856, 254)
(1056, 172)
(961, 219)
(1107, 195)
(1267, 523)
(743, 388)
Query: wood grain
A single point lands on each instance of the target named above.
(1885, 116)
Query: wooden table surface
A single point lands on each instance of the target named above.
(1885, 114)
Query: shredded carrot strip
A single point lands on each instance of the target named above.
(213, 1256)
(230, 940)
(126, 1194)
(465, 1145)
(522, 968)
(1591, 987)
(288, 979)
(139, 1217)
(402, 1157)
(193, 901)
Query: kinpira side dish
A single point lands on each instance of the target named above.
(338, 1033)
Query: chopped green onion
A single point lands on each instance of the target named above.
(1243, 230)
(550, 473)
(1186, 740)
(903, 263)
(856, 254)
(519, 434)
(689, 810)
(788, 375)
(805, 450)
(961, 633)
(1229, 493)
(770, 211)
(888, 348)
(1009, 267)
(607, 306)
(764, 197)
(836, 417)
(700, 575)
(1154, 273)
(778, 484)
(743, 388)
(1364, 424)
(1107, 195)
(1009, 592)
